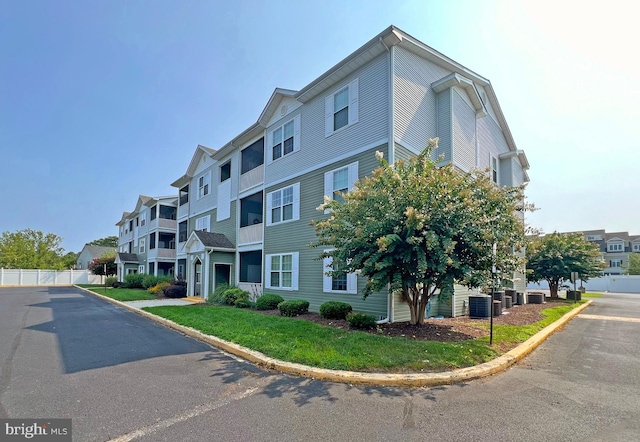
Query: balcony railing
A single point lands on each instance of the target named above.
(250, 234)
(161, 253)
(163, 223)
(251, 178)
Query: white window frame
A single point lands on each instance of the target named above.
(328, 179)
(353, 108)
(495, 171)
(295, 270)
(141, 268)
(204, 185)
(143, 245)
(615, 248)
(203, 223)
(616, 263)
(143, 219)
(327, 280)
(296, 204)
(636, 247)
(296, 139)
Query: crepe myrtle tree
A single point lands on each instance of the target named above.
(554, 256)
(416, 228)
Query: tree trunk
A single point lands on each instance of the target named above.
(417, 300)
(553, 288)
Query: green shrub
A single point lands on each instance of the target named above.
(149, 281)
(175, 291)
(335, 310)
(230, 296)
(110, 281)
(268, 301)
(361, 320)
(217, 296)
(158, 288)
(133, 281)
(243, 303)
(293, 308)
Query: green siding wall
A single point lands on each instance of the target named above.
(297, 235)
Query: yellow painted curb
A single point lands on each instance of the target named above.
(494, 366)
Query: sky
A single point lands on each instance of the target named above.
(101, 101)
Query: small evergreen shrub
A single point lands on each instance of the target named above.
(149, 281)
(268, 301)
(335, 310)
(293, 308)
(175, 291)
(361, 320)
(243, 303)
(133, 281)
(230, 296)
(216, 297)
(110, 281)
(158, 288)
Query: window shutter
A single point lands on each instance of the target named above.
(269, 147)
(328, 186)
(269, 207)
(296, 134)
(224, 200)
(326, 280)
(353, 102)
(352, 283)
(267, 270)
(296, 201)
(353, 174)
(294, 270)
(328, 116)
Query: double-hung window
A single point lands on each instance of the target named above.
(143, 243)
(204, 182)
(615, 247)
(341, 108)
(284, 139)
(203, 223)
(616, 263)
(340, 181)
(283, 205)
(494, 169)
(282, 271)
(345, 283)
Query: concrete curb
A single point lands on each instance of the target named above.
(497, 365)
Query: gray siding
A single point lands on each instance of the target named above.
(491, 139)
(402, 153)
(506, 172)
(461, 299)
(415, 118)
(297, 235)
(445, 125)
(315, 148)
(464, 132)
(227, 227)
(517, 173)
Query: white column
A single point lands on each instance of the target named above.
(205, 290)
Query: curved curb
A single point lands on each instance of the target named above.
(494, 366)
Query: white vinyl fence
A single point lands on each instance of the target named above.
(22, 277)
(610, 283)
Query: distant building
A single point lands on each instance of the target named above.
(615, 248)
(89, 253)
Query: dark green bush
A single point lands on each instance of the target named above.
(216, 297)
(335, 310)
(293, 308)
(133, 281)
(230, 296)
(110, 281)
(175, 291)
(361, 320)
(243, 303)
(149, 281)
(268, 301)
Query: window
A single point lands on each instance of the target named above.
(284, 139)
(143, 219)
(182, 265)
(152, 268)
(166, 240)
(152, 241)
(131, 226)
(636, 247)
(137, 221)
(225, 172)
(283, 205)
(347, 283)
(615, 263)
(615, 248)
(184, 195)
(282, 271)
(153, 213)
(203, 185)
(142, 245)
(141, 269)
(340, 181)
(251, 210)
(182, 231)
(341, 108)
(494, 169)
(251, 267)
(252, 156)
(131, 271)
(203, 223)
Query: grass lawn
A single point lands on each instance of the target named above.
(120, 294)
(592, 295)
(304, 342)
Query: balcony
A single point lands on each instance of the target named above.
(163, 223)
(250, 234)
(251, 178)
(161, 253)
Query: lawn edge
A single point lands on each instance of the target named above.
(492, 367)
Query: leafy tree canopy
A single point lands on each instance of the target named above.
(109, 241)
(416, 228)
(633, 268)
(31, 249)
(553, 257)
(97, 266)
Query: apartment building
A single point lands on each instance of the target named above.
(615, 248)
(243, 209)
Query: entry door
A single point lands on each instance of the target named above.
(223, 274)
(198, 278)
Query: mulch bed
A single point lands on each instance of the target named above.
(443, 330)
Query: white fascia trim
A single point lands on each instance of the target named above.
(349, 154)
